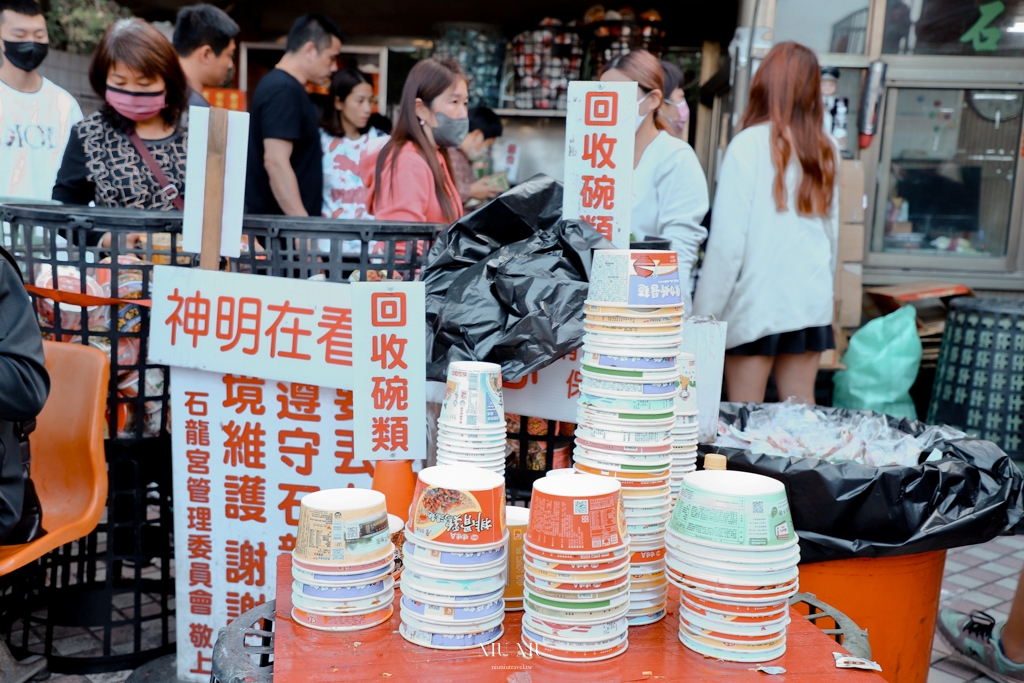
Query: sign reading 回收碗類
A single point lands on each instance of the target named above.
(599, 142)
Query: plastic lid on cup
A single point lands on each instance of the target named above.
(715, 461)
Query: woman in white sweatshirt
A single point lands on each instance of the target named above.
(670, 191)
(771, 255)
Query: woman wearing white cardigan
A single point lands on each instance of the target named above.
(670, 191)
(771, 255)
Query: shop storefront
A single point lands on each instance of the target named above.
(943, 197)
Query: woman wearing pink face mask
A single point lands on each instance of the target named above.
(674, 108)
(131, 153)
(670, 192)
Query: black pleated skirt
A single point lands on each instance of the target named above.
(796, 342)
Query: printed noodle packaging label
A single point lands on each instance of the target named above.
(343, 526)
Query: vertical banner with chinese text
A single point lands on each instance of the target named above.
(388, 352)
(246, 450)
(263, 411)
(599, 142)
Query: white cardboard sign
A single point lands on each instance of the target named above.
(255, 325)
(234, 181)
(550, 393)
(389, 369)
(246, 450)
(599, 142)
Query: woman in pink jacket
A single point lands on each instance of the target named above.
(411, 180)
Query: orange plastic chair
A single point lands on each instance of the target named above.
(69, 467)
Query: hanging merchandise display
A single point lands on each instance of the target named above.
(480, 50)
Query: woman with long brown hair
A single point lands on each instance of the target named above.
(411, 180)
(670, 192)
(771, 254)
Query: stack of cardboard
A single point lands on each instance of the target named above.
(931, 299)
(849, 266)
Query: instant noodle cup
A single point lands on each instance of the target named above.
(568, 645)
(343, 527)
(736, 557)
(472, 396)
(443, 614)
(517, 519)
(597, 654)
(611, 343)
(591, 307)
(397, 529)
(702, 647)
(458, 505)
(450, 641)
(335, 592)
(354, 606)
(582, 513)
(749, 511)
(600, 386)
(575, 565)
(341, 622)
(413, 621)
(629, 363)
(574, 556)
(335, 568)
(631, 317)
(621, 448)
(627, 330)
(626, 478)
(619, 421)
(575, 632)
(580, 616)
(581, 605)
(69, 279)
(452, 600)
(454, 585)
(341, 579)
(455, 558)
(635, 278)
(625, 437)
(630, 406)
(466, 572)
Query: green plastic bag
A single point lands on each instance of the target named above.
(882, 364)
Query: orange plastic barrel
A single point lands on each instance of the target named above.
(396, 480)
(895, 599)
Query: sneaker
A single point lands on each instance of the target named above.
(975, 643)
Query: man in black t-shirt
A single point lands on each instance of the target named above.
(284, 173)
(204, 38)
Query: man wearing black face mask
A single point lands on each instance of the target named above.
(35, 115)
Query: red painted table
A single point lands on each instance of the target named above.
(304, 655)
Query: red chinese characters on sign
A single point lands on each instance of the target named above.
(390, 393)
(574, 381)
(390, 434)
(244, 445)
(291, 503)
(240, 603)
(245, 498)
(298, 402)
(598, 150)
(246, 563)
(603, 224)
(241, 322)
(598, 192)
(297, 448)
(602, 109)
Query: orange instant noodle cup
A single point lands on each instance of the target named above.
(581, 513)
(458, 505)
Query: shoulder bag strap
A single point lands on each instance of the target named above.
(166, 186)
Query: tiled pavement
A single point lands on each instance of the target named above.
(981, 577)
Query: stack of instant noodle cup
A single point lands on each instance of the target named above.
(456, 559)
(733, 553)
(684, 433)
(343, 561)
(471, 427)
(576, 558)
(627, 405)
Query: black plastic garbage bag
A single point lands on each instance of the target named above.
(506, 283)
(845, 510)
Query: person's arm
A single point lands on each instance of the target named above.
(73, 185)
(730, 221)
(24, 382)
(406, 188)
(682, 205)
(277, 159)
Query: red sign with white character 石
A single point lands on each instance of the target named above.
(599, 142)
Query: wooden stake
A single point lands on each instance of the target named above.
(213, 204)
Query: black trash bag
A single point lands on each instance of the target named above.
(506, 283)
(846, 510)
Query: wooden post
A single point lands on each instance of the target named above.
(213, 204)
(703, 140)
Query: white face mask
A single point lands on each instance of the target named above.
(639, 118)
